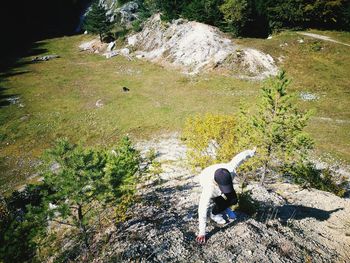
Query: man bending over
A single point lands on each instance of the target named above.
(217, 184)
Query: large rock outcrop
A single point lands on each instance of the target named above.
(293, 224)
(194, 47)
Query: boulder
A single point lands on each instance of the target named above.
(124, 51)
(93, 46)
(99, 103)
(87, 45)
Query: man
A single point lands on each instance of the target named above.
(216, 181)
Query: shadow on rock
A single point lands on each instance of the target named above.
(299, 212)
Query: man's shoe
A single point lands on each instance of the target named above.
(230, 213)
(218, 219)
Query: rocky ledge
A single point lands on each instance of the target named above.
(293, 224)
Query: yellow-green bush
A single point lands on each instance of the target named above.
(210, 131)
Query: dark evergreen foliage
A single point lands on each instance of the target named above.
(205, 11)
(85, 182)
(257, 18)
(97, 21)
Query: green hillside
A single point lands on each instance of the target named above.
(57, 98)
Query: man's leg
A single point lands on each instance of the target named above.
(221, 203)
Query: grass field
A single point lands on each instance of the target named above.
(57, 98)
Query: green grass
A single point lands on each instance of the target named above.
(60, 95)
(324, 72)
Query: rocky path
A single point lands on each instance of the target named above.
(321, 37)
(293, 225)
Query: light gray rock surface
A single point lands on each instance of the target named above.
(45, 58)
(124, 14)
(194, 47)
(293, 224)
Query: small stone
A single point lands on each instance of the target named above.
(111, 54)
(99, 103)
(44, 58)
(307, 96)
(13, 100)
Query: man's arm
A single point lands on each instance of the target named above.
(240, 158)
(202, 213)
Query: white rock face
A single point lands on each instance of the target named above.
(194, 47)
(255, 59)
(125, 14)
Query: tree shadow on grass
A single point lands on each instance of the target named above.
(14, 65)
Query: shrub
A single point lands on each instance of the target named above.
(246, 204)
(236, 14)
(210, 138)
(137, 26)
(315, 46)
(307, 175)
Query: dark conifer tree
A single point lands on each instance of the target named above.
(97, 21)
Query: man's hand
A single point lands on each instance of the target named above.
(253, 152)
(200, 239)
(254, 149)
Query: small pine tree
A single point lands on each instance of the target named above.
(74, 195)
(97, 21)
(278, 127)
(87, 179)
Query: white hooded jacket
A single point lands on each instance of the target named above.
(210, 188)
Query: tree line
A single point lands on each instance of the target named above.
(257, 17)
